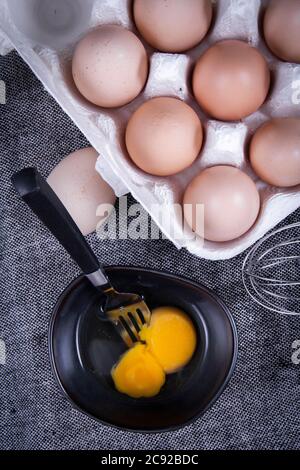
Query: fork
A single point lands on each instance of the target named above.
(127, 311)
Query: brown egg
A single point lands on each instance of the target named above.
(231, 202)
(81, 189)
(173, 25)
(110, 66)
(231, 80)
(164, 136)
(275, 152)
(282, 29)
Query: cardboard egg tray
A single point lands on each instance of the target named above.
(44, 32)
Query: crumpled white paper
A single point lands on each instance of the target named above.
(170, 74)
(5, 45)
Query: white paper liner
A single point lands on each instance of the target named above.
(169, 75)
(5, 45)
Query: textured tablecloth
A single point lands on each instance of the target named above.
(260, 408)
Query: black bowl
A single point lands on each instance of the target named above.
(84, 347)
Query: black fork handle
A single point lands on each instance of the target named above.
(43, 201)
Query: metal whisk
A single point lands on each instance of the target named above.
(271, 271)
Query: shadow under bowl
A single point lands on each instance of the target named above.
(84, 347)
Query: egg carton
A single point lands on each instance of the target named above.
(44, 32)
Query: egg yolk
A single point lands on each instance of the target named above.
(169, 344)
(171, 338)
(138, 374)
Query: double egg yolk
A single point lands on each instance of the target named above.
(168, 344)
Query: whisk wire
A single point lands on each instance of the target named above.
(271, 271)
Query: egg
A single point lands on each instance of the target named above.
(173, 25)
(282, 29)
(164, 136)
(230, 199)
(170, 338)
(168, 345)
(275, 152)
(81, 189)
(110, 66)
(231, 80)
(138, 374)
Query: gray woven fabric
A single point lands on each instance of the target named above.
(260, 407)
